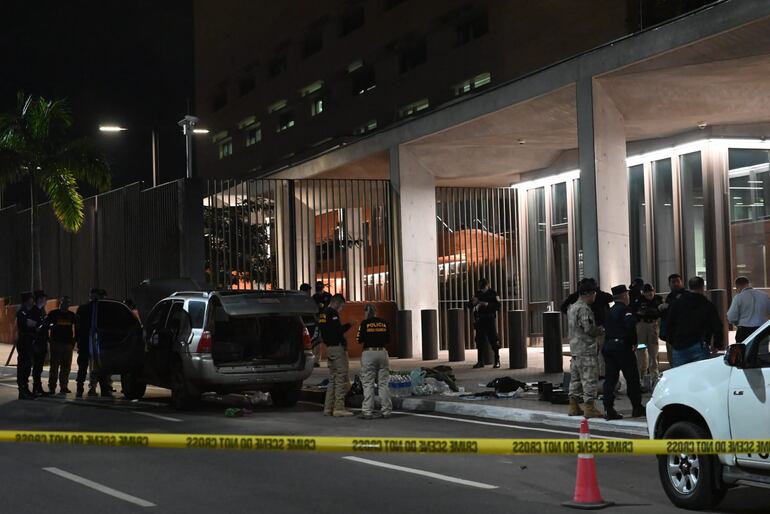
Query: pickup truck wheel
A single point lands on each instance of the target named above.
(184, 396)
(133, 387)
(690, 481)
(286, 395)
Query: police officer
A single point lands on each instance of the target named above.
(485, 305)
(40, 345)
(648, 316)
(333, 335)
(26, 326)
(61, 324)
(584, 364)
(84, 318)
(311, 325)
(321, 297)
(374, 335)
(619, 354)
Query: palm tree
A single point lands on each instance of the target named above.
(35, 147)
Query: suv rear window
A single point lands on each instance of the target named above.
(197, 311)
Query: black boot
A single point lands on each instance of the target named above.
(611, 414)
(92, 392)
(79, 391)
(638, 411)
(25, 393)
(37, 389)
(478, 365)
(497, 361)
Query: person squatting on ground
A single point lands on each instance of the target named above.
(333, 335)
(61, 325)
(693, 326)
(485, 305)
(374, 335)
(749, 311)
(600, 308)
(584, 365)
(619, 355)
(647, 309)
(26, 327)
(83, 326)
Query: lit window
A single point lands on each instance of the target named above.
(363, 80)
(253, 134)
(247, 122)
(311, 88)
(353, 66)
(317, 107)
(366, 127)
(285, 121)
(225, 148)
(276, 106)
(471, 84)
(413, 108)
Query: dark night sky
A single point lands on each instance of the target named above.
(128, 62)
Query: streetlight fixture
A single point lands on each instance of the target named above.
(188, 129)
(111, 128)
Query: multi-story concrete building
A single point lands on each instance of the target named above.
(584, 154)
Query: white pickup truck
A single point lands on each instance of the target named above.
(719, 398)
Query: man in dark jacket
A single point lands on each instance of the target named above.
(600, 308)
(61, 324)
(26, 329)
(485, 305)
(40, 346)
(84, 318)
(693, 326)
(333, 335)
(618, 351)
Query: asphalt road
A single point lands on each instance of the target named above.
(42, 478)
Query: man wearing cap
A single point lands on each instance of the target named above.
(333, 334)
(648, 316)
(584, 364)
(40, 345)
(374, 335)
(26, 326)
(619, 355)
(600, 308)
(485, 305)
(321, 297)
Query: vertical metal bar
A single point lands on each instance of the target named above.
(303, 232)
(387, 217)
(329, 250)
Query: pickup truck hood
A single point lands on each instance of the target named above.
(708, 379)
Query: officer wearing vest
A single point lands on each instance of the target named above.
(620, 355)
(485, 305)
(374, 335)
(333, 335)
(26, 327)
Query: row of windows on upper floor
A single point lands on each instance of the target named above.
(412, 53)
(252, 128)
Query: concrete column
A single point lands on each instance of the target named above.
(414, 191)
(603, 185)
(305, 238)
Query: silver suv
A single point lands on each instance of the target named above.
(224, 342)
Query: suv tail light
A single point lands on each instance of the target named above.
(204, 345)
(306, 342)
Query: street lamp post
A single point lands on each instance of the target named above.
(188, 124)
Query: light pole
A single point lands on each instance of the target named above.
(188, 124)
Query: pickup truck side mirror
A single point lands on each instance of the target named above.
(736, 355)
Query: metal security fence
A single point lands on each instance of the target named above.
(128, 235)
(273, 233)
(477, 238)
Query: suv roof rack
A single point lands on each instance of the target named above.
(202, 294)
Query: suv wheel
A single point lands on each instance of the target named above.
(286, 395)
(133, 387)
(691, 481)
(184, 396)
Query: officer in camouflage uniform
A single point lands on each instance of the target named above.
(584, 365)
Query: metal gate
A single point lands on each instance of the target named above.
(477, 237)
(273, 233)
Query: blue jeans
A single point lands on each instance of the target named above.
(695, 352)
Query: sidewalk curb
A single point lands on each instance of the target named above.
(495, 413)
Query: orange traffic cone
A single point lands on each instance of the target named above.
(587, 495)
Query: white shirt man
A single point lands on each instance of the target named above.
(750, 309)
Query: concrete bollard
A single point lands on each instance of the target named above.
(517, 339)
(552, 354)
(456, 335)
(429, 321)
(405, 335)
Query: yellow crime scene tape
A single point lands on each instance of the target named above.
(391, 444)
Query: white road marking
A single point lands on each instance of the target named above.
(420, 472)
(9, 385)
(101, 488)
(158, 416)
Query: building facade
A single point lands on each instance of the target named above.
(641, 157)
